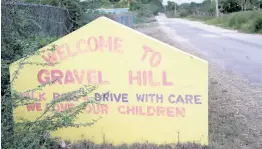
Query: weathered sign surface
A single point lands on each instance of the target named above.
(148, 90)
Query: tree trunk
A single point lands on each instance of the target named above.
(217, 10)
(128, 3)
(245, 5)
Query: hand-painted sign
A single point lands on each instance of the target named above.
(157, 93)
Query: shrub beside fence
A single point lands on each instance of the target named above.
(49, 20)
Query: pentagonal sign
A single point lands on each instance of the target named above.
(145, 89)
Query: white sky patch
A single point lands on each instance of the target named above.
(182, 1)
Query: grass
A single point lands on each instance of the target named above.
(89, 145)
(248, 22)
(199, 18)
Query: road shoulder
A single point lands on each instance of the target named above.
(234, 105)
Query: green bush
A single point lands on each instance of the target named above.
(245, 21)
(236, 20)
(145, 11)
(184, 13)
(248, 21)
(146, 8)
(257, 24)
(120, 4)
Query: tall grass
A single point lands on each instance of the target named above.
(249, 21)
(89, 145)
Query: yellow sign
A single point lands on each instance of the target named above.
(157, 93)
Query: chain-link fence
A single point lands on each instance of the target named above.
(125, 18)
(47, 20)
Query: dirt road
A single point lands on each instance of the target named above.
(241, 53)
(235, 106)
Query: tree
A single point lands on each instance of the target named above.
(114, 1)
(208, 6)
(255, 4)
(249, 4)
(229, 6)
(171, 5)
(217, 8)
(121, 4)
(258, 4)
(147, 7)
(128, 3)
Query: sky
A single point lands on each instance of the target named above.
(181, 1)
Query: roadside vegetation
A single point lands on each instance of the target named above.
(90, 145)
(250, 21)
(145, 10)
(241, 15)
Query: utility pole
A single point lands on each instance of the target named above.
(175, 7)
(217, 11)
